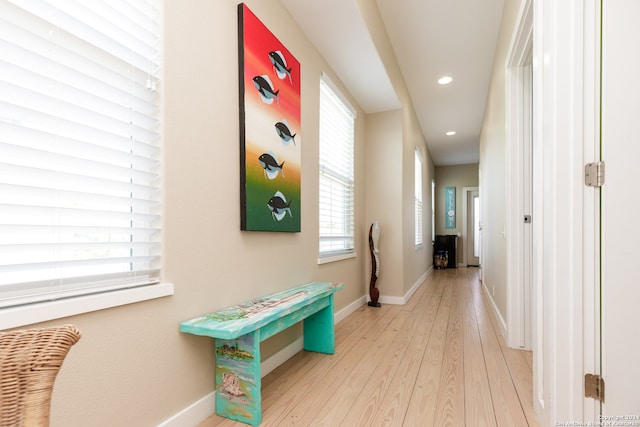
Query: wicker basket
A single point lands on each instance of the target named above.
(29, 363)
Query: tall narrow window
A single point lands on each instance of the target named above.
(79, 148)
(337, 119)
(419, 209)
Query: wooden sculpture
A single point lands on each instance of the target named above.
(374, 235)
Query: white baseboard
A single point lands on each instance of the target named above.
(418, 283)
(345, 312)
(193, 414)
(391, 300)
(496, 312)
(405, 299)
(200, 410)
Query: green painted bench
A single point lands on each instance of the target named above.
(239, 329)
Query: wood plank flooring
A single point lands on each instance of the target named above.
(438, 360)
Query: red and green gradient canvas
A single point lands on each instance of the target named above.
(270, 141)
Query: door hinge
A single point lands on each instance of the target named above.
(594, 174)
(594, 387)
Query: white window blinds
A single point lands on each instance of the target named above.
(336, 171)
(79, 147)
(419, 208)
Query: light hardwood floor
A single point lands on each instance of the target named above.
(439, 360)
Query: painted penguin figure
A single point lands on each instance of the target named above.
(279, 207)
(265, 89)
(283, 131)
(280, 65)
(269, 163)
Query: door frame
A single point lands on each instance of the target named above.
(518, 93)
(465, 220)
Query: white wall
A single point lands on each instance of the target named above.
(492, 170)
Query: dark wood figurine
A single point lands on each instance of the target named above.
(374, 293)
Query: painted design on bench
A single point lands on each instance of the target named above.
(234, 321)
(251, 308)
(224, 316)
(231, 384)
(236, 380)
(233, 352)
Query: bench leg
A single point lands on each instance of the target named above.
(238, 382)
(319, 334)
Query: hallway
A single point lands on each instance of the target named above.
(438, 360)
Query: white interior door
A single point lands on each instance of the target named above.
(620, 286)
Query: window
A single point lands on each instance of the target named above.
(337, 119)
(79, 148)
(418, 200)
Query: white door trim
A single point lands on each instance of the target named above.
(517, 94)
(465, 231)
(590, 356)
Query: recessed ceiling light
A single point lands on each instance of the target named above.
(445, 80)
(451, 133)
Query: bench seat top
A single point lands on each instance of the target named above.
(238, 320)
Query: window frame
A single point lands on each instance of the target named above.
(418, 200)
(326, 172)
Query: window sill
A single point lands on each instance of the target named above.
(328, 259)
(14, 317)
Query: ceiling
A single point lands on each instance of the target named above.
(431, 38)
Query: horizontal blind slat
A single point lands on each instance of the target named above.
(45, 160)
(41, 233)
(44, 215)
(80, 23)
(28, 196)
(40, 43)
(54, 180)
